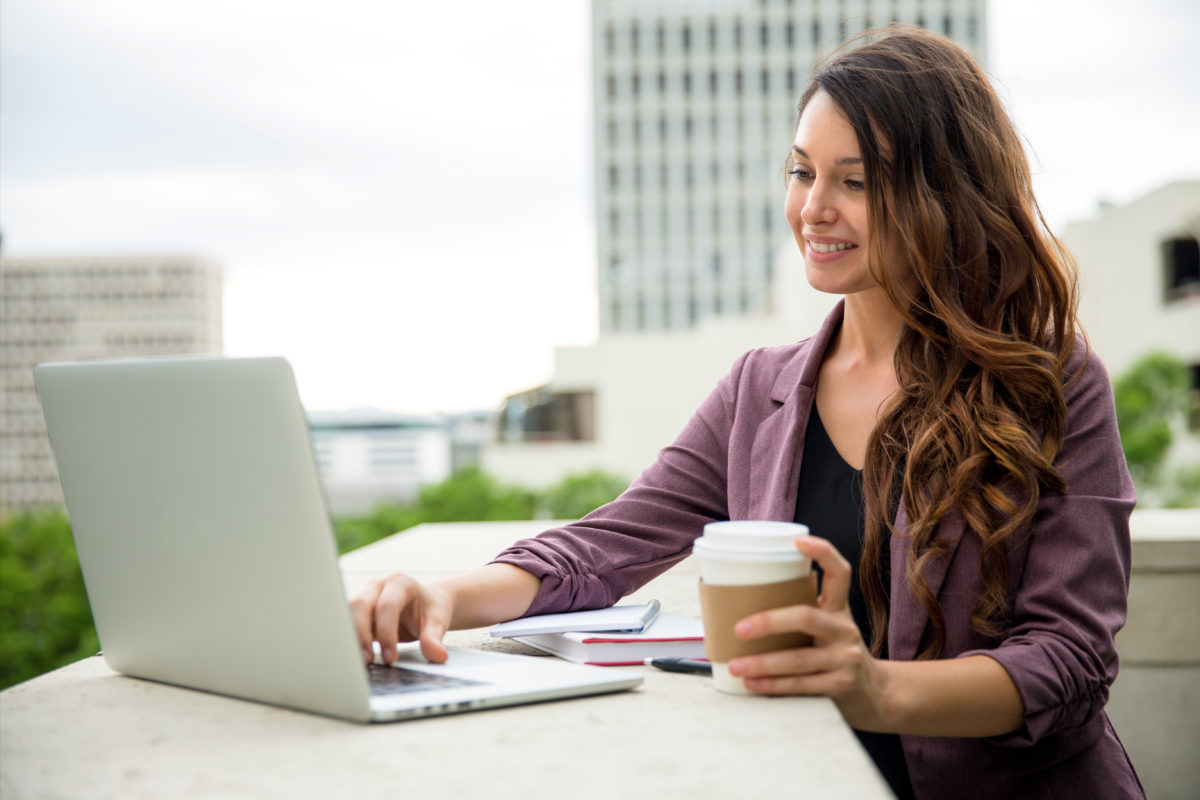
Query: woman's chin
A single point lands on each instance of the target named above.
(836, 283)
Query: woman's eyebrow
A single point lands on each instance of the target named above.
(840, 162)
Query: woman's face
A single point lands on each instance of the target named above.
(827, 201)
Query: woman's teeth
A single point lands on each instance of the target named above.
(830, 248)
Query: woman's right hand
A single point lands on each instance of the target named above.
(400, 609)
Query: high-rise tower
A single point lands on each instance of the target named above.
(694, 106)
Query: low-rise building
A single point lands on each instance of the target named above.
(1140, 277)
(367, 458)
(1139, 267)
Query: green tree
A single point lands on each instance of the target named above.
(468, 495)
(45, 619)
(1148, 396)
(355, 532)
(1183, 490)
(472, 494)
(577, 495)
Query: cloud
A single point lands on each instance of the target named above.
(419, 325)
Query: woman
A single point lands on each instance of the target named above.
(945, 434)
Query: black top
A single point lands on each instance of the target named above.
(830, 503)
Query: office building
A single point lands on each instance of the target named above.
(694, 111)
(77, 309)
(367, 458)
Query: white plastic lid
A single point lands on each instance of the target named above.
(705, 548)
(754, 534)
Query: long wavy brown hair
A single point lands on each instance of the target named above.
(988, 297)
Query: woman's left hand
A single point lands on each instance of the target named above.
(838, 665)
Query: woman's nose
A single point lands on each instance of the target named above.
(817, 207)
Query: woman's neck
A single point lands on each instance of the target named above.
(870, 329)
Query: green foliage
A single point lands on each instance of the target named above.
(578, 495)
(45, 620)
(471, 494)
(1148, 396)
(467, 495)
(1153, 400)
(355, 532)
(1183, 488)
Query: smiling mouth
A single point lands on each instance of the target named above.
(818, 247)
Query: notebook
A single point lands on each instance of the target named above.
(671, 636)
(630, 619)
(209, 558)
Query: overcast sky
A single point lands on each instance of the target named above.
(399, 192)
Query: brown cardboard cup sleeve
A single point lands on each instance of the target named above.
(723, 606)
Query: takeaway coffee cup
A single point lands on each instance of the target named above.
(748, 566)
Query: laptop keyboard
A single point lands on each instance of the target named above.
(397, 680)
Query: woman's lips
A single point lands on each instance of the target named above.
(825, 250)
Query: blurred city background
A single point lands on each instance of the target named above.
(509, 247)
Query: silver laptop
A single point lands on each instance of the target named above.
(208, 554)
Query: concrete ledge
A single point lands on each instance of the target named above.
(1164, 593)
(1166, 539)
(1155, 702)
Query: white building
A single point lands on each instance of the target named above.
(367, 458)
(78, 309)
(694, 111)
(370, 457)
(1140, 277)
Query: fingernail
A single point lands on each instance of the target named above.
(743, 629)
(735, 668)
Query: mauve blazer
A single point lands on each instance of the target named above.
(739, 458)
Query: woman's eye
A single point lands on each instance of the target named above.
(856, 186)
(800, 174)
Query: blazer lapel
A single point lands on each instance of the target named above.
(779, 439)
(775, 457)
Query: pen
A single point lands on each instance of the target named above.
(651, 614)
(681, 665)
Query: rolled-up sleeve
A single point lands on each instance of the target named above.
(649, 528)
(1060, 650)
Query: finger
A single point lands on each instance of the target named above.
(432, 633)
(817, 623)
(835, 586)
(798, 661)
(826, 684)
(362, 610)
(394, 600)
